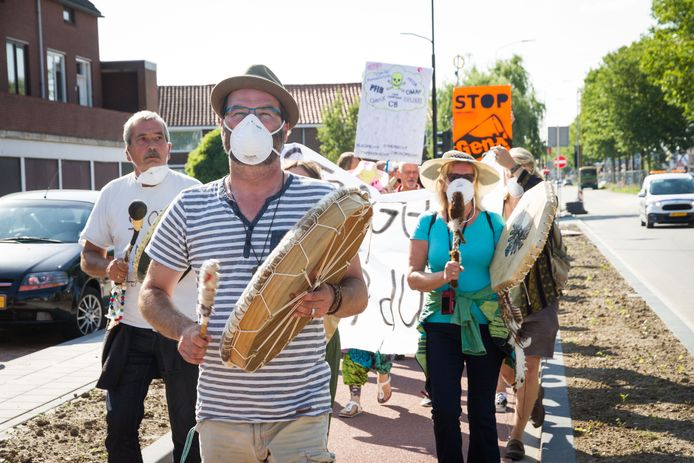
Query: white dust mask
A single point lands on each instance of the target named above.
(251, 142)
(463, 186)
(153, 176)
(513, 188)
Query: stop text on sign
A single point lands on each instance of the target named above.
(481, 118)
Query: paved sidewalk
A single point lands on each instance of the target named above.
(37, 382)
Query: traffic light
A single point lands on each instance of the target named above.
(444, 142)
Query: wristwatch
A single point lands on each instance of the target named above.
(515, 168)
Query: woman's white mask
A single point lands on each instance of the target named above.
(463, 186)
(153, 176)
(513, 188)
(251, 142)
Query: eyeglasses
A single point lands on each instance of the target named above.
(270, 117)
(469, 177)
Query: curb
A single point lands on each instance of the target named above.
(160, 451)
(557, 440)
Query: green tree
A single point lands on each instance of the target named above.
(669, 53)
(339, 129)
(598, 129)
(208, 161)
(527, 109)
(623, 112)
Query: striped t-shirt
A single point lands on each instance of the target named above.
(203, 223)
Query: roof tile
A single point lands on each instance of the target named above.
(188, 105)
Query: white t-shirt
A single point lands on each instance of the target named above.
(109, 226)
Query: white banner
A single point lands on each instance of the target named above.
(388, 323)
(393, 112)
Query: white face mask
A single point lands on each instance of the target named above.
(153, 176)
(463, 186)
(251, 142)
(513, 188)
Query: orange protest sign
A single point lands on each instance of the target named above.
(481, 118)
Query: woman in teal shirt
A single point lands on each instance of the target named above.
(461, 326)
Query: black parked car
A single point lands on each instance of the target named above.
(41, 281)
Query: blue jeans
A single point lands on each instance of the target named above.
(445, 364)
(149, 356)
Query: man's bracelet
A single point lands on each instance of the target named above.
(337, 299)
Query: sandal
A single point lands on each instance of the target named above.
(351, 409)
(384, 397)
(515, 450)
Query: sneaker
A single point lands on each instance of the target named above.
(426, 402)
(537, 416)
(500, 402)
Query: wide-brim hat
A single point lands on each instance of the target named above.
(257, 77)
(487, 176)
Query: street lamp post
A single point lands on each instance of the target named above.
(433, 85)
(433, 77)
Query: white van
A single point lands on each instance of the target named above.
(667, 198)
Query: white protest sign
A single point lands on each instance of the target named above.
(393, 112)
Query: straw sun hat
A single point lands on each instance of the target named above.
(487, 177)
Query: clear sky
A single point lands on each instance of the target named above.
(324, 41)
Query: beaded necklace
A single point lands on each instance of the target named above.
(116, 302)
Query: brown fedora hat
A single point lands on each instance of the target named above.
(257, 77)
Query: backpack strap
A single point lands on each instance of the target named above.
(431, 224)
(491, 227)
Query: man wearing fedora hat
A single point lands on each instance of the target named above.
(279, 412)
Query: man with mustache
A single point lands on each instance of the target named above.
(134, 353)
(278, 413)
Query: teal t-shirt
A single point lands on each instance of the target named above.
(475, 255)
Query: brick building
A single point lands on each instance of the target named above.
(61, 108)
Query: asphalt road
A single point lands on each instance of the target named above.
(662, 258)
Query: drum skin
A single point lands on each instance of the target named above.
(318, 249)
(523, 237)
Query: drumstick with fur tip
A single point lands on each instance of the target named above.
(455, 216)
(208, 280)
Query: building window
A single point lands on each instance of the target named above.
(56, 77)
(185, 140)
(17, 68)
(68, 15)
(84, 82)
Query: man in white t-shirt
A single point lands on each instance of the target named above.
(134, 354)
(279, 412)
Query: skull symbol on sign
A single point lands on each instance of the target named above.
(396, 79)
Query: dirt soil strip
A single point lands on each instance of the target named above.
(629, 379)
